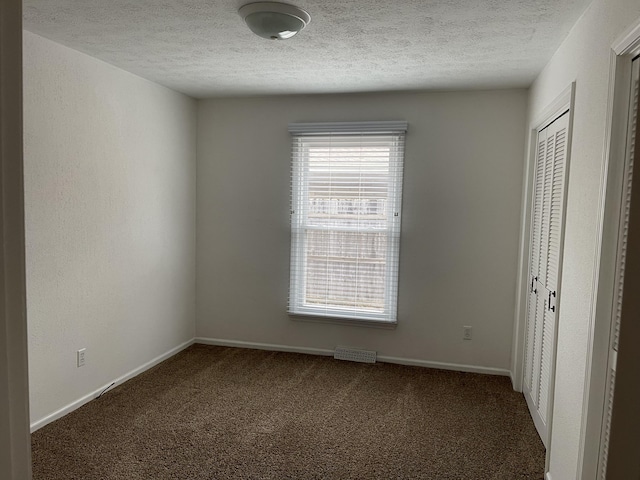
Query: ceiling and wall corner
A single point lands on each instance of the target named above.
(204, 49)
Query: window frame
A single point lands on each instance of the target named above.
(299, 223)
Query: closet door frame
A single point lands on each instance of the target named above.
(622, 53)
(563, 103)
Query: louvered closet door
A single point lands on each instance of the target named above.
(620, 267)
(534, 261)
(544, 268)
(552, 264)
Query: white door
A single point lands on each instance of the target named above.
(630, 155)
(544, 269)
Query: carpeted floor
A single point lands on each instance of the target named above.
(226, 413)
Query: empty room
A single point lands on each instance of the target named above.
(320, 239)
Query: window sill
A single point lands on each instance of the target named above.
(353, 322)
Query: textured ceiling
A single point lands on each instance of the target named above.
(203, 48)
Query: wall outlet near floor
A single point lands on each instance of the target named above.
(80, 357)
(467, 333)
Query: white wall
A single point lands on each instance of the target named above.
(584, 57)
(110, 221)
(459, 234)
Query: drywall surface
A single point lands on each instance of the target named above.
(110, 221)
(461, 211)
(584, 57)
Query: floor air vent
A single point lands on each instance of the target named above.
(354, 355)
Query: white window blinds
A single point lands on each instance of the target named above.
(345, 219)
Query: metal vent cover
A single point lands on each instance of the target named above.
(354, 355)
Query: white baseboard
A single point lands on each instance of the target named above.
(457, 367)
(513, 382)
(547, 476)
(263, 346)
(90, 396)
(327, 352)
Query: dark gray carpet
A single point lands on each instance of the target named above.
(226, 413)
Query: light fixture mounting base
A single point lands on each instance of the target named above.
(274, 20)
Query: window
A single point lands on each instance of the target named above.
(345, 219)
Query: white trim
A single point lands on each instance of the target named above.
(120, 380)
(547, 476)
(596, 285)
(348, 127)
(351, 322)
(456, 367)
(263, 346)
(562, 102)
(328, 352)
(629, 42)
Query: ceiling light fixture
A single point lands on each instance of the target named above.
(274, 20)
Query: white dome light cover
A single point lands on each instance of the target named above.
(274, 20)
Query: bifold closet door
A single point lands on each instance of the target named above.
(534, 309)
(544, 268)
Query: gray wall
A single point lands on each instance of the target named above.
(110, 221)
(463, 185)
(15, 441)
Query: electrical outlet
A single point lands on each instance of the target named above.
(467, 333)
(81, 357)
